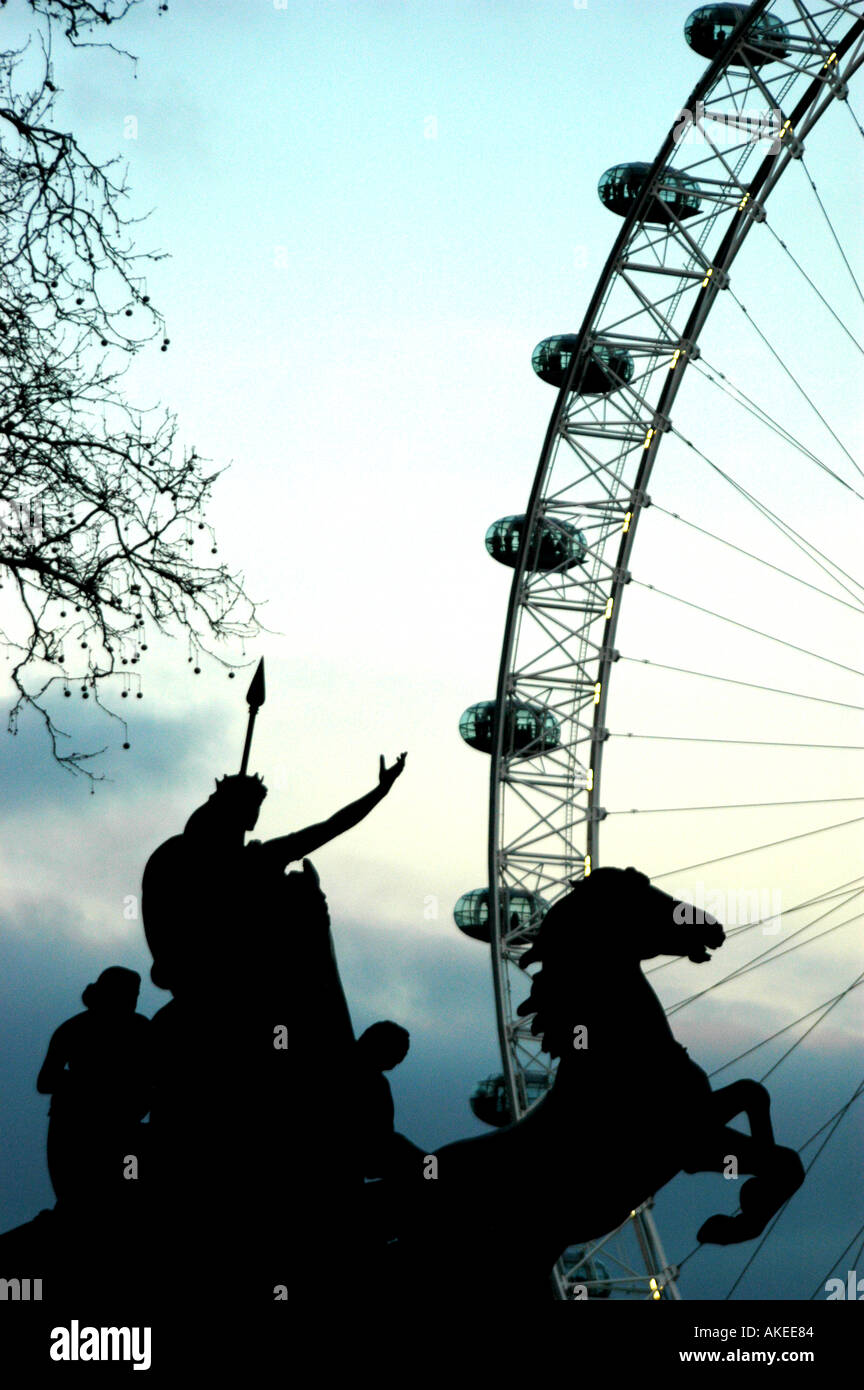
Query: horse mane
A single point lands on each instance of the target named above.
(594, 925)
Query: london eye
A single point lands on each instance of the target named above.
(727, 748)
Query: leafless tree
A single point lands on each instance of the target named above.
(103, 532)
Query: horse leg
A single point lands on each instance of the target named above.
(777, 1173)
(748, 1098)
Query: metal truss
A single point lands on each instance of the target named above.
(651, 301)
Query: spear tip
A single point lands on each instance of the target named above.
(256, 693)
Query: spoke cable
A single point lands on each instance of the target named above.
(845, 890)
(830, 224)
(796, 383)
(733, 806)
(823, 1283)
(758, 558)
(815, 287)
(831, 1118)
(825, 1141)
(806, 547)
(746, 742)
(848, 106)
(730, 680)
(753, 849)
(837, 1116)
(767, 957)
(735, 393)
(733, 622)
(785, 1029)
(814, 1024)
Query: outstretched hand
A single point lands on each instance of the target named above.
(387, 775)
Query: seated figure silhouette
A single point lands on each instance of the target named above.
(97, 1072)
(383, 1046)
(380, 1149)
(628, 1109)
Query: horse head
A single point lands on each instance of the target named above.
(605, 925)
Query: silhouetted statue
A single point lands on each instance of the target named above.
(208, 877)
(627, 1111)
(97, 1072)
(380, 1149)
(247, 952)
(383, 1046)
(367, 1130)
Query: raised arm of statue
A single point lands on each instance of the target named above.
(289, 848)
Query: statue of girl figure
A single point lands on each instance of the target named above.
(97, 1073)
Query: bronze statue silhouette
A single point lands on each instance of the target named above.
(628, 1109)
(223, 920)
(371, 1112)
(263, 1164)
(204, 890)
(207, 878)
(247, 952)
(97, 1072)
(241, 1126)
(366, 1131)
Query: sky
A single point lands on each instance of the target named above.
(374, 211)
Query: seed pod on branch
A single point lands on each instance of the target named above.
(99, 508)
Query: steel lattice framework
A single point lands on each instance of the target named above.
(651, 301)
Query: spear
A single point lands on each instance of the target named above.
(255, 699)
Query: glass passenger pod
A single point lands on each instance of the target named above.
(605, 369)
(519, 909)
(529, 729)
(709, 27)
(621, 185)
(490, 1102)
(555, 545)
(580, 1271)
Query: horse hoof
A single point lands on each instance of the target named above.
(727, 1230)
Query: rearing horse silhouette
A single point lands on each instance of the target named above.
(627, 1112)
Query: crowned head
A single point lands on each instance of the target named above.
(234, 805)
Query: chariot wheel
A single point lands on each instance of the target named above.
(748, 522)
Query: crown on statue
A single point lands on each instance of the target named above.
(240, 781)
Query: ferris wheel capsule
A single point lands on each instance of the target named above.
(519, 909)
(529, 729)
(555, 545)
(491, 1103)
(676, 193)
(709, 27)
(605, 369)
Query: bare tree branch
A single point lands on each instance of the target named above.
(104, 539)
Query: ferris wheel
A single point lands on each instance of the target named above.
(553, 731)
